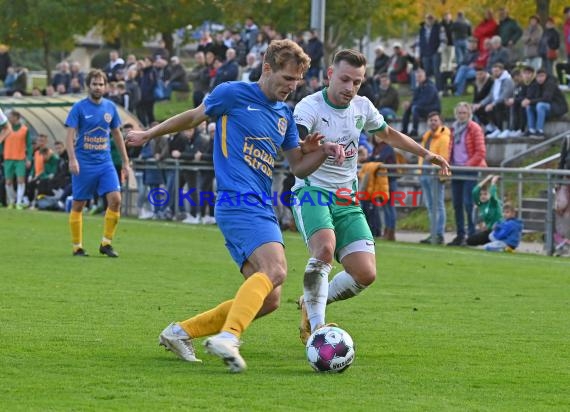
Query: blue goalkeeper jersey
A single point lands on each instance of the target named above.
(93, 123)
(250, 129)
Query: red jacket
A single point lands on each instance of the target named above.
(475, 144)
(484, 30)
(566, 36)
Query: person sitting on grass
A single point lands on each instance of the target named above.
(489, 207)
(506, 234)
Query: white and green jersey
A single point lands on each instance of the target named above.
(338, 124)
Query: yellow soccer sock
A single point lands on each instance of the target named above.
(76, 228)
(209, 322)
(247, 303)
(110, 226)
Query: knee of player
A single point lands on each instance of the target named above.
(365, 275)
(368, 277)
(324, 253)
(276, 273)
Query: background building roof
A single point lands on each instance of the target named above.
(47, 115)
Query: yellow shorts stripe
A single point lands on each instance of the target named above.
(225, 135)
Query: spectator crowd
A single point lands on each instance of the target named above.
(515, 71)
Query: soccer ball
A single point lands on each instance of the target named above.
(330, 349)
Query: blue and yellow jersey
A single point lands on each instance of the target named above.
(249, 131)
(93, 123)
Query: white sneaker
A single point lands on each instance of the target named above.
(227, 350)
(517, 133)
(145, 214)
(208, 220)
(489, 129)
(494, 134)
(191, 220)
(505, 133)
(57, 192)
(178, 343)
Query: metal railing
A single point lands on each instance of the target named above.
(547, 178)
(537, 148)
(544, 161)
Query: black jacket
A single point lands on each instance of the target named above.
(479, 95)
(549, 92)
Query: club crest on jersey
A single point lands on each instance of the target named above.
(359, 122)
(282, 126)
(108, 117)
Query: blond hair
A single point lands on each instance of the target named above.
(281, 52)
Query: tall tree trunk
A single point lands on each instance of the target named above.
(47, 65)
(543, 10)
(168, 42)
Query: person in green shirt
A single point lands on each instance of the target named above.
(489, 209)
(51, 163)
(43, 184)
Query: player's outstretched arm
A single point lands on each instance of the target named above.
(183, 121)
(399, 140)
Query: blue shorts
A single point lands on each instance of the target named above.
(246, 228)
(94, 178)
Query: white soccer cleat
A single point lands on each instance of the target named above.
(227, 350)
(178, 343)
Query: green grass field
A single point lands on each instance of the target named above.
(442, 329)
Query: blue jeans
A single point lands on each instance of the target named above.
(389, 215)
(372, 217)
(430, 186)
(495, 245)
(431, 65)
(536, 116)
(549, 67)
(462, 185)
(464, 73)
(389, 208)
(460, 50)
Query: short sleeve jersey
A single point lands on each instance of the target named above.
(250, 129)
(341, 125)
(94, 123)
